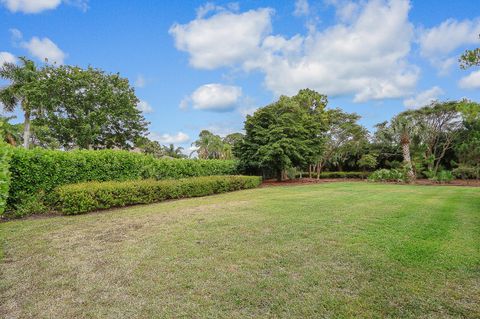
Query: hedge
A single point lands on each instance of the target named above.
(5, 153)
(337, 174)
(84, 197)
(37, 172)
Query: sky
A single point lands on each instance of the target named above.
(206, 65)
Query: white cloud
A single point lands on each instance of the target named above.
(7, 57)
(178, 138)
(223, 39)
(214, 97)
(44, 49)
(423, 98)
(471, 81)
(37, 6)
(140, 81)
(354, 57)
(301, 8)
(437, 43)
(145, 107)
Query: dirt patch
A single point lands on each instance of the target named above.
(303, 181)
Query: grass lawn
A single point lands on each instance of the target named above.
(337, 250)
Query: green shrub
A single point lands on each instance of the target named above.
(38, 171)
(442, 177)
(84, 197)
(388, 175)
(5, 154)
(466, 172)
(337, 174)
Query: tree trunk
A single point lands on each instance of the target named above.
(309, 170)
(319, 170)
(26, 130)
(408, 160)
(279, 175)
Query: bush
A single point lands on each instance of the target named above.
(5, 153)
(442, 177)
(38, 171)
(338, 174)
(388, 175)
(466, 172)
(84, 197)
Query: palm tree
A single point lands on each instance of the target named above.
(21, 78)
(208, 145)
(172, 151)
(404, 127)
(11, 132)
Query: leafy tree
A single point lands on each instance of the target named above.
(470, 58)
(90, 109)
(367, 162)
(467, 146)
(147, 146)
(24, 90)
(284, 134)
(343, 136)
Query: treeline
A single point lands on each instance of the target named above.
(300, 133)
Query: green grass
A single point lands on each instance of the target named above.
(338, 250)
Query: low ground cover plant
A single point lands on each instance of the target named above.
(84, 197)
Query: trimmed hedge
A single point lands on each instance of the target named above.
(338, 174)
(5, 153)
(39, 171)
(84, 197)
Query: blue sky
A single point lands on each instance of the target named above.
(204, 65)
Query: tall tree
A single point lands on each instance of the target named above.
(470, 58)
(284, 134)
(344, 136)
(208, 145)
(90, 109)
(172, 151)
(24, 90)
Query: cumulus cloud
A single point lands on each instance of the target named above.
(213, 97)
(352, 57)
(44, 48)
(37, 6)
(223, 39)
(423, 98)
(438, 43)
(471, 81)
(301, 8)
(7, 57)
(166, 138)
(144, 107)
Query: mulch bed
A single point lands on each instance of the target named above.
(304, 181)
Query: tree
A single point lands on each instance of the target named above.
(343, 136)
(172, 151)
(89, 109)
(284, 134)
(403, 127)
(470, 58)
(147, 146)
(367, 162)
(467, 145)
(24, 90)
(12, 133)
(209, 145)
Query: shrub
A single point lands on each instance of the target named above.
(466, 172)
(388, 175)
(442, 177)
(38, 171)
(5, 153)
(337, 174)
(84, 197)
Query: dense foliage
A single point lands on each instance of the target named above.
(5, 153)
(89, 196)
(36, 172)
